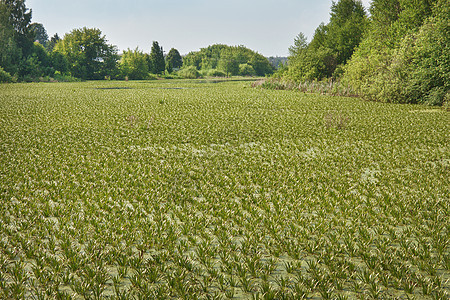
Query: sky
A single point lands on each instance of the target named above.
(266, 26)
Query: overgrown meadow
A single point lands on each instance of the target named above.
(215, 190)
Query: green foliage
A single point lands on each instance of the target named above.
(133, 64)
(157, 64)
(5, 77)
(412, 67)
(189, 72)
(228, 63)
(173, 60)
(39, 33)
(331, 47)
(246, 70)
(36, 65)
(10, 54)
(59, 62)
(89, 55)
(19, 19)
(228, 59)
(216, 73)
(15, 35)
(52, 42)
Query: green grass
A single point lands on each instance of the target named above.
(196, 189)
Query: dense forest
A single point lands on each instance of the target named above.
(397, 52)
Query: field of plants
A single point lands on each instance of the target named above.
(216, 190)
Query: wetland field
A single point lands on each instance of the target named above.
(200, 189)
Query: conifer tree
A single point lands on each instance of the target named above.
(157, 63)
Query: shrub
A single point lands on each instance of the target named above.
(189, 72)
(216, 73)
(246, 70)
(64, 78)
(5, 76)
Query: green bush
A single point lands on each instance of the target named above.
(5, 76)
(65, 78)
(151, 76)
(189, 72)
(246, 70)
(216, 73)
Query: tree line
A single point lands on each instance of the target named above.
(27, 53)
(398, 52)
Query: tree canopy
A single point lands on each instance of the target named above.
(157, 63)
(332, 45)
(88, 53)
(405, 56)
(173, 60)
(15, 35)
(39, 33)
(133, 64)
(227, 59)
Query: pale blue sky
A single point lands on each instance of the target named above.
(266, 26)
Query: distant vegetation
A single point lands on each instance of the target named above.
(230, 60)
(400, 53)
(27, 54)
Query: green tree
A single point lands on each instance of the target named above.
(332, 45)
(300, 44)
(157, 63)
(133, 64)
(39, 33)
(37, 64)
(260, 64)
(19, 19)
(16, 41)
(88, 54)
(228, 58)
(404, 57)
(52, 42)
(59, 62)
(228, 63)
(345, 31)
(173, 60)
(9, 53)
(246, 70)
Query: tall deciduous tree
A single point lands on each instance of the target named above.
(157, 63)
(88, 53)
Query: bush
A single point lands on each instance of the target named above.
(151, 76)
(5, 76)
(64, 78)
(189, 72)
(216, 73)
(246, 70)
